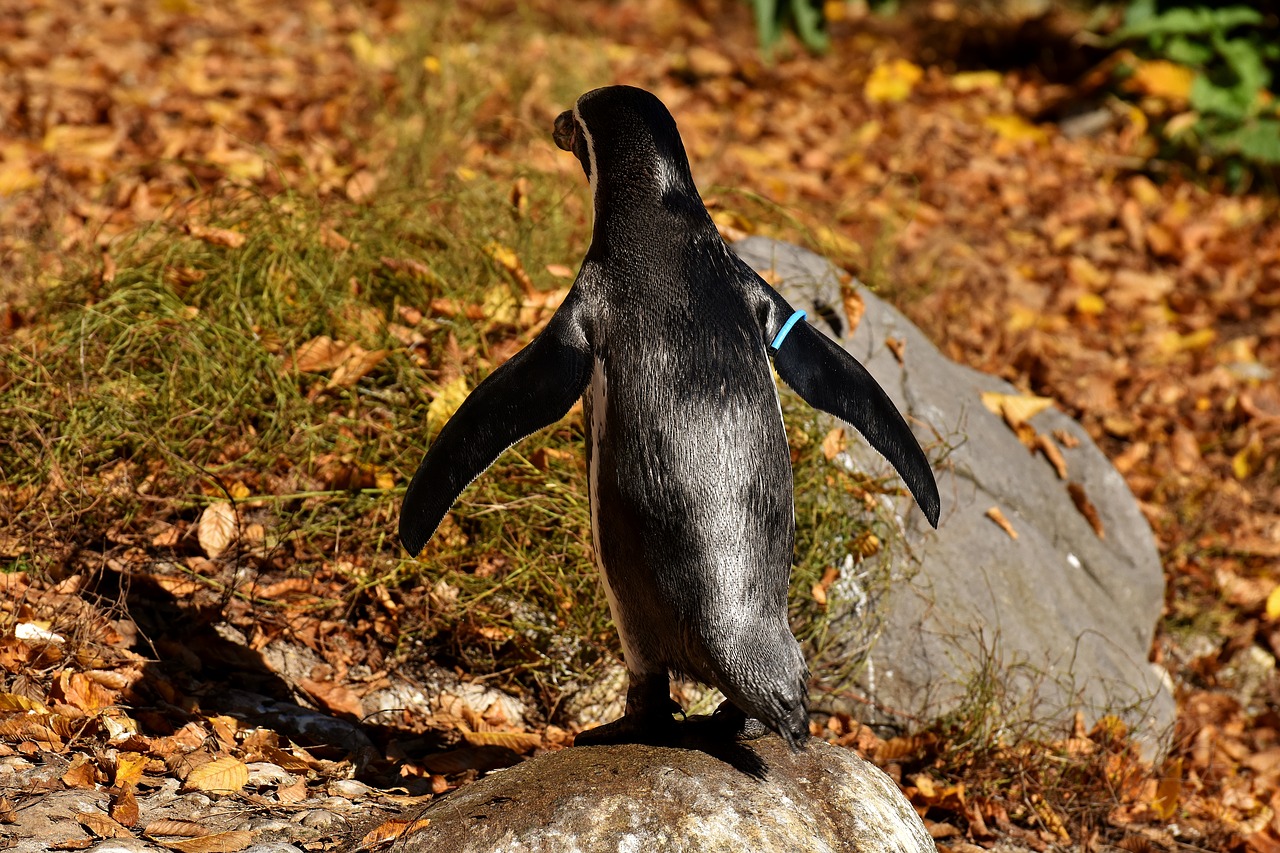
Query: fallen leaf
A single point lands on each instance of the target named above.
(1160, 78)
(357, 364)
(129, 768)
(1015, 408)
(507, 258)
(897, 346)
(819, 589)
(1086, 508)
(102, 826)
(217, 842)
(317, 355)
(124, 807)
(82, 773)
(215, 236)
(217, 528)
(1015, 128)
(445, 403)
(222, 775)
(892, 81)
(854, 307)
(181, 829)
(833, 444)
(392, 830)
(998, 517)
(1273, 605)
(1046, 445)
(1168, 791)
(516, 741)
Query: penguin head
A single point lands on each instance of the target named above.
(631, 151)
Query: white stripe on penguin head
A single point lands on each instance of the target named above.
(591, 155)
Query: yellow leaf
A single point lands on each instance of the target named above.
(129, 768)
(431, 64)
(500, 305)
(225, 775)
(1244, 463)
(16, 173)
(1091, 304)
(969, 81)
(1162, 79)
(217, 528)
(1273, 605)
(16, 702)
(392, 830)
(1015, 128)
(1015, 408)
(1165, 802)
(384, 480)
(381, 57)
(445, 403)
(892, 81)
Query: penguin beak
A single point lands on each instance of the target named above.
(565, 128)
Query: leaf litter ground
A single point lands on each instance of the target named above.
(254, 256)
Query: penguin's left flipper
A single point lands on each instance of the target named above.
(532, 390)
(828, 378)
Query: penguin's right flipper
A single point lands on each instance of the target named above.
(532, 390)
(830, 379)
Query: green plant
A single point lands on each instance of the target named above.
(772, 17)
(1234, 58)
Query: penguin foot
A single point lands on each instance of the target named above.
(727, 722)
(651, 729)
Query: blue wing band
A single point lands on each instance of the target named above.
(785, 330)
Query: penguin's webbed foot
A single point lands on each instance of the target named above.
(727, 723)
(654, 728)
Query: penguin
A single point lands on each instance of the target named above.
(667, 336)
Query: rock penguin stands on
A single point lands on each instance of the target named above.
(666, 335)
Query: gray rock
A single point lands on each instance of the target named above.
(1031, 629)
(634, 798)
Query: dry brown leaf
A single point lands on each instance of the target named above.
(515, 741)
(287, 760)
(124, 807)
(1051, 452)
(215, 236)
(102, 826)
(217, 528)
(317, 355)
(180, 828)
(998, 517)
(217, 842)
(357, 364)
(222, 775)
(897, 346)
(833, 443)
(293, 793)
(819, 589)
(392, 830)
(854, 307)
(1086, 508)
(82, 773)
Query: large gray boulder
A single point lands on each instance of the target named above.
(1030, 629)
(654, 799)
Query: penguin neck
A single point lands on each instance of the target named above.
(650, 211)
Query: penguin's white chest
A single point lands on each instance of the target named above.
(597, 406)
